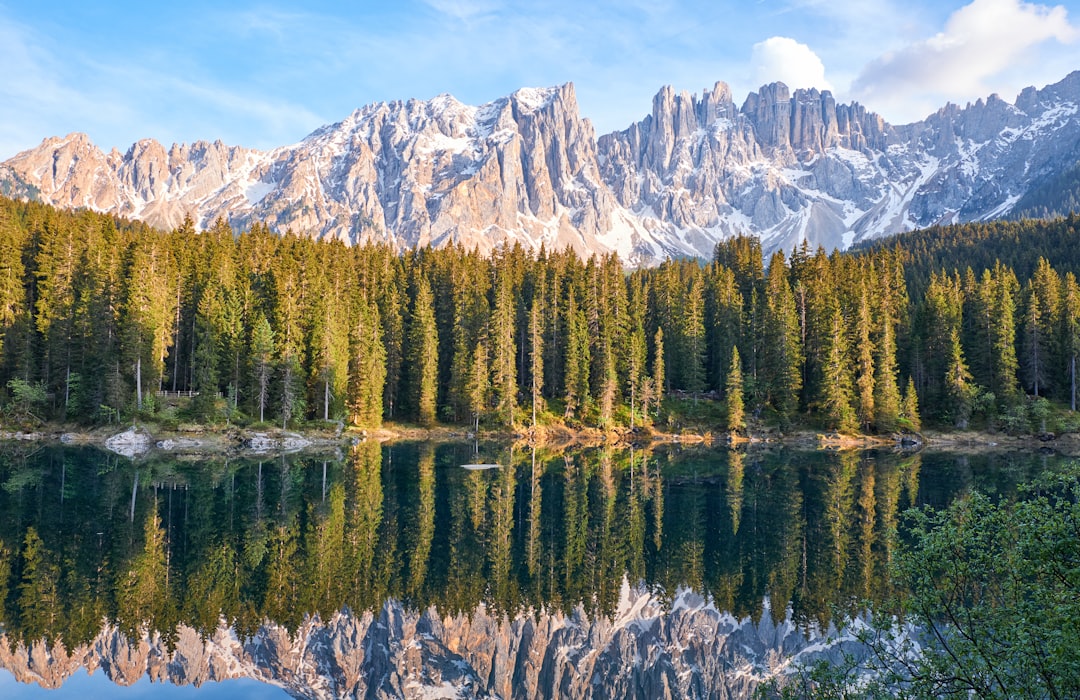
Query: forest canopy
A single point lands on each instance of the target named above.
(962, 324)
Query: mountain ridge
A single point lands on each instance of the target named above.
(786, 166)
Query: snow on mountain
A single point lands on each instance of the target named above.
(785, 166)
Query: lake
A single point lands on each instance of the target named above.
(392, 571)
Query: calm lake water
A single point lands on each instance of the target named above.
(394, 571)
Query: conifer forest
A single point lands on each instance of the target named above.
(955, 326)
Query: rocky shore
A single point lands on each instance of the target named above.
(143, 439)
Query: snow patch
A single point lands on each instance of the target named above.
(256, 191)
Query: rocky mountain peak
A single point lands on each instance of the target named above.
(787, 166)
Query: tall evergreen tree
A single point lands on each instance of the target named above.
(479, 385)
(536, 356)
(1005, 383)
(504, 349)
(423, 354)
(864, 364)
(658, 368)
(692, 335)
(836, 379)
(910, 406)
(781, 355)
(577, 361)
(1069, 333)
(736, 418)
(368, 374)
(262, 362)
(204, 358)
(961, 391)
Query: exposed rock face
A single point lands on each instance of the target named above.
(641, 652)
(527, 168)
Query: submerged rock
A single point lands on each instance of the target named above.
(130, 443)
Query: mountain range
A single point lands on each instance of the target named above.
(647, 649)
(784, 166)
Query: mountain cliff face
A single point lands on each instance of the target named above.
(691, 650)
(528, 168)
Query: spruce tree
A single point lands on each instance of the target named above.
(204, 358)
(1005, 382)
(577, 361)
(478, 385)
(536, 357)
(504, 349)
(836, 379)
(960, 389)
(368, 376)
(423, 354)
(658, 369)
(1069, 334)
(864, 368)
(692, 334)
(781, 346)
(736, 419)
(262, 362)
(910, 406)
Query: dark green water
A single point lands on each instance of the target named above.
(88, 538)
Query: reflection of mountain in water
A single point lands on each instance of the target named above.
(213, 550)
(647, 650)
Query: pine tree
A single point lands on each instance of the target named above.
(391, 305)
(893, 305)
(781, 346)
(536, 357)
(504, 350)
(910, 406)
(12, 272)
(204, 358)
(1041, 314)
(961, 390)
(329, 351)
(1034, 344)
(262, 362)
(291, 399)
(836, 380)
(736, 420)
(1005, 383)
(478, 385)
(636, 353)
(577, 361)
(658, 368)
(1069, 333)
(887, 402)
(423, 354)
(367, 379)
(864, 370)
(692, 333)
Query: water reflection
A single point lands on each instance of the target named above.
(151, 557)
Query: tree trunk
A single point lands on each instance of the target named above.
(138, 382)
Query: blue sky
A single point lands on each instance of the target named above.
(264, 74)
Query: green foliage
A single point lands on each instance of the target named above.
(736, 418)
(26, 400)
(991, 597)
(98, 312)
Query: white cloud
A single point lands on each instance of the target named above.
(981, 43)
(780, 58)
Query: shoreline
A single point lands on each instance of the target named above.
(145, 439)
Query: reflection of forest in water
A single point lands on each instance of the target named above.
(87, 536)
